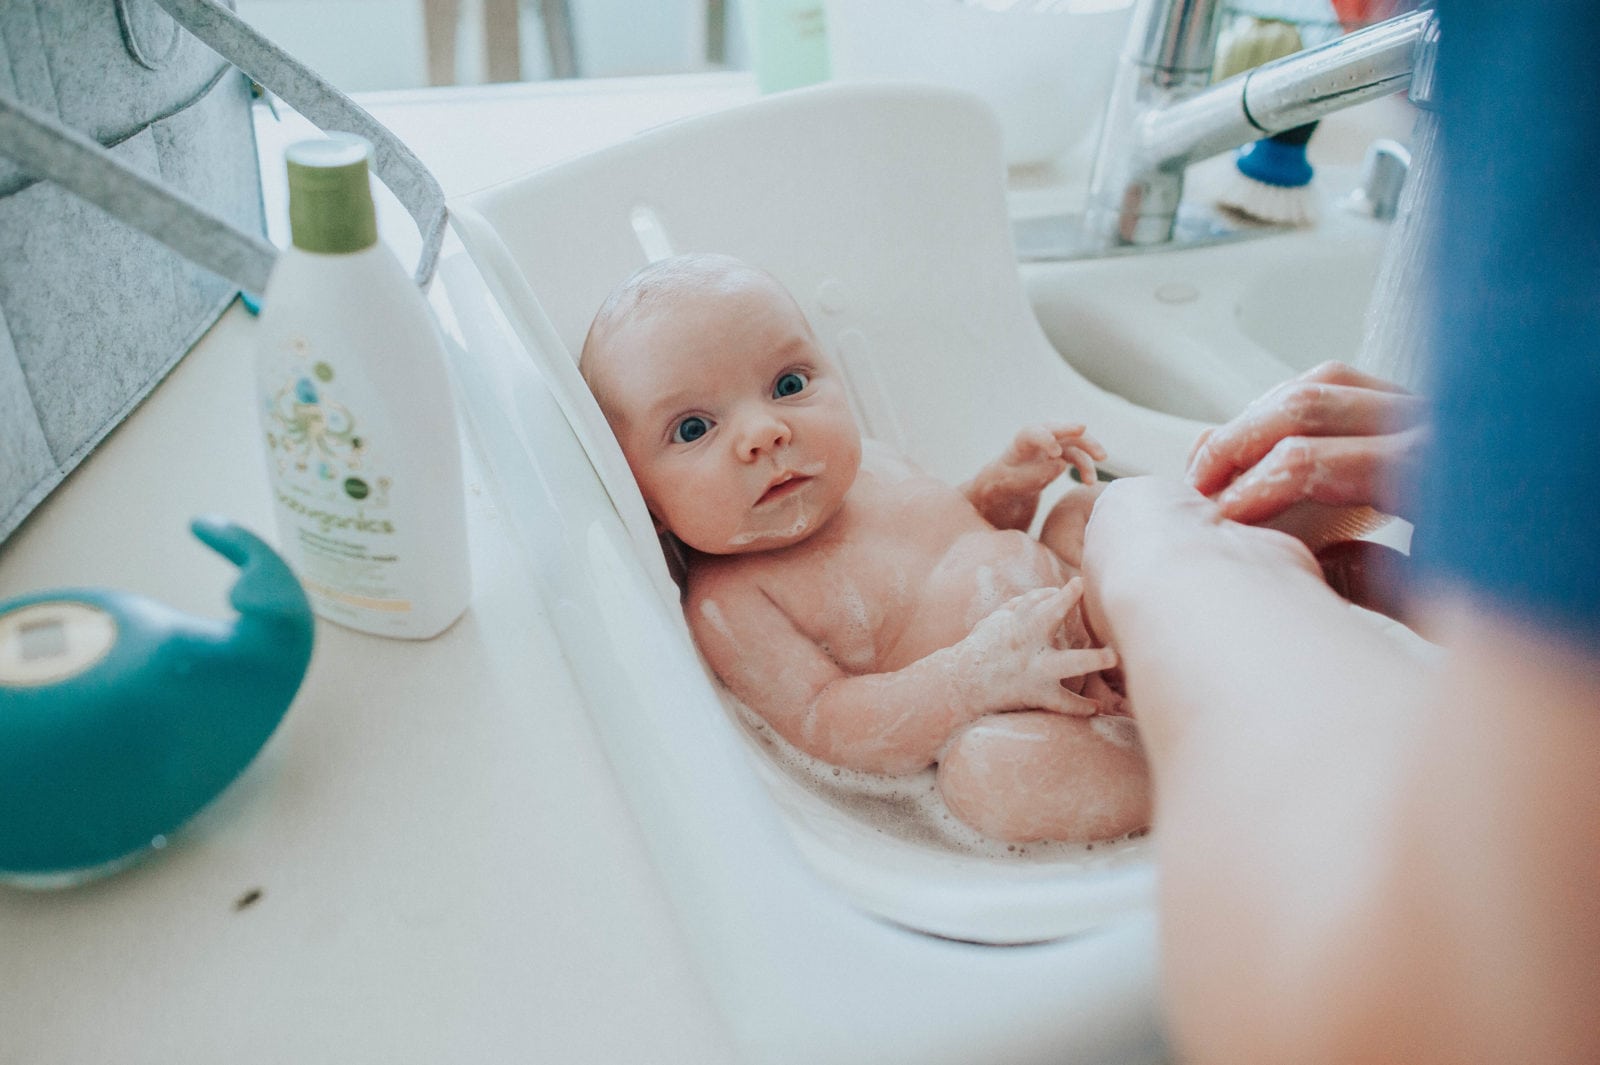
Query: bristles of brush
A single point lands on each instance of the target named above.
(1276, 205)
(1319, 525)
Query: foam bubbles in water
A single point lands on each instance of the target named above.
(910, 808)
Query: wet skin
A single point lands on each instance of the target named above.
(875, 616)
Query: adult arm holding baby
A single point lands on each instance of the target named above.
(1396, 859)
(1369, 856)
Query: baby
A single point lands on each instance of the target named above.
(877, 618)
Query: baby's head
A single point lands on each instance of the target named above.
(733, 420)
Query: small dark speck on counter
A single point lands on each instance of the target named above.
(248, 899)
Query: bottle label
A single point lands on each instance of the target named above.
(336, 493)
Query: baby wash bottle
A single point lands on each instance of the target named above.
(363, 457)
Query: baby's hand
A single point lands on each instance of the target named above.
(1019, 658)
(1006, 491)
(1045, 451)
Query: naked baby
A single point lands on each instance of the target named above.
(877, 618)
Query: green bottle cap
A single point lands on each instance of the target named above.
(330, 196)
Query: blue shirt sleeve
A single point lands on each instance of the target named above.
(1510, 509)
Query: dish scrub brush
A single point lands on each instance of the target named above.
(1273, 179)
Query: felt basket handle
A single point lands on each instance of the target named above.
(46, 149)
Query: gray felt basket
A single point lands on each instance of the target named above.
(130, 208)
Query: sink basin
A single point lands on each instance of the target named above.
(1201, 331)
(1198, 333)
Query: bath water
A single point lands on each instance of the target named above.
(910, 808)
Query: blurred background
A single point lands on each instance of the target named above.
(371, 45)
(1044, 65)
(368, 45)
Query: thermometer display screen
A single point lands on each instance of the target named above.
(48, 642)
(41, 640)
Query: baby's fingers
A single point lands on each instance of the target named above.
(1076, 436)
(1062, 701)
(1082, 661)
(1064, 666)
(1083, 462)
(1033, 443)
(1069, 595)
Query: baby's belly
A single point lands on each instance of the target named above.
(980, 572)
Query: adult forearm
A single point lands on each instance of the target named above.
(1279, 725)
(1500, 857)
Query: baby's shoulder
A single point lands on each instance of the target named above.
(725, 578)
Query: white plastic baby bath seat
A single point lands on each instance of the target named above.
(883, 210)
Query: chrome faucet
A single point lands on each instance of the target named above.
(1164, 114)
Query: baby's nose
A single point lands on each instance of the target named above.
(762, 433)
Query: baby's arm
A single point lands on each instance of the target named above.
(890, 722)
(1006, 491)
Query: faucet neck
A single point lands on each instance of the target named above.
(1174, 41)
(1167, 58)
(1163, 114)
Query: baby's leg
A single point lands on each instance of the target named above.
(1062, 531)
(1033, 775)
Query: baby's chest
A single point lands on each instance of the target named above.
(879, 603)
(854, 598)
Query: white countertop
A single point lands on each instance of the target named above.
(442, 866)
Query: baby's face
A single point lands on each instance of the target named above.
(734, 423)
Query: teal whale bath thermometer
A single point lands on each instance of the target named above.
(121, 717)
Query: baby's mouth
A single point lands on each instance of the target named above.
(787, 485)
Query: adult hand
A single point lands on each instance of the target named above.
(1152, 542)
(1332, 435)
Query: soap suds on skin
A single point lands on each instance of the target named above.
(783, 519)
(1121, 731)
(850, 619)
(714, 616)
(910, 808)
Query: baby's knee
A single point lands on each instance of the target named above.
(1033, 775)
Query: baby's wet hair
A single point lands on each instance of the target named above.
(657, 284)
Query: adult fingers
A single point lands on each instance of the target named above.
(1339, 373)
(1336, 470)
(1298, 409)
(1199, 442)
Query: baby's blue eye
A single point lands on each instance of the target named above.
(790, 384)
(691, 429)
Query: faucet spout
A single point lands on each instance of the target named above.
(1162, 116)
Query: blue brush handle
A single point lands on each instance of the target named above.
(1279, 159)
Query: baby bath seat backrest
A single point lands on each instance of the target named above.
(883, 210)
